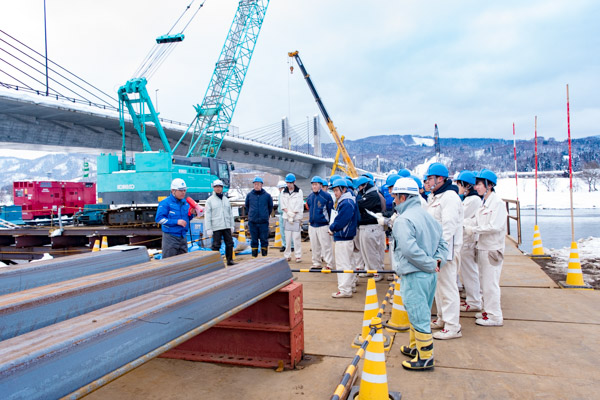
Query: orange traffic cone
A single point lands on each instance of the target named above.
(96, 246)
(371, 309)
(373, 382)
(278, 243)
(538, 249)
(104, 243)
(574, 275)
(242, 232)
(398, 322)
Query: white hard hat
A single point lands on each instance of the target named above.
(178, 184)
(281, 184)
(405, 186)
(218, 182)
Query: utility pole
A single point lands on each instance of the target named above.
(46, 45)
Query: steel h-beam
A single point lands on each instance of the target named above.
(18, 278)
(36, 308)
(74, 357)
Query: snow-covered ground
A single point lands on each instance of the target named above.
(557, 197)
(589, 256)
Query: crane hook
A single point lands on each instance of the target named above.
(291, 69)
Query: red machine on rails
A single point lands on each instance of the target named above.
(41, 199)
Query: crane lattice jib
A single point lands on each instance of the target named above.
(214, 115)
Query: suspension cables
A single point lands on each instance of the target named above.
(162, 49)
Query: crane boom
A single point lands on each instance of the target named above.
(349, 168)
(213, 116)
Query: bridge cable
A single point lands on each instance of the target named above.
(59, 66)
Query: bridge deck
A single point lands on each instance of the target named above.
(548, 348)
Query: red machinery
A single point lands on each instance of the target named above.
(44, 198)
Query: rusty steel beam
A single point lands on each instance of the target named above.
(19, 277)
(74, 357)
(32, 309)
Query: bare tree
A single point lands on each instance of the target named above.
(591, 174)
(549, 182)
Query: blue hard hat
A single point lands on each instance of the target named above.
(404, 173)
(466, 176)
(391, 179)
(339, 183)
(316, 179)
(290, 178)
(361, 181)
(368, 175)
(334, 178)
(258, 179)
(437, 169)
(487, 175)
(419, 182)
(349, 182)
(324, 182)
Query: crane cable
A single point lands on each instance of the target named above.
(160, 52)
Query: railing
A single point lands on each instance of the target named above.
(515, 217)
(113, 108)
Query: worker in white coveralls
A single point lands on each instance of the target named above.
(343, 228)
(445, 206)
(419, 251)
(320, 205)
(490, 228)
(468, 269)
(292, 203)
(372, 240)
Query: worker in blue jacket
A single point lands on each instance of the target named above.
(343, 230)
(172, 216)
(259, 206)
(320, 205)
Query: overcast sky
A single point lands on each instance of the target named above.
(381, 67)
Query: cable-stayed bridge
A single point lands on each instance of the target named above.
(44, 106)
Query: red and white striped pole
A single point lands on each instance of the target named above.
(536, 171)
(515, 150)
(570, 166)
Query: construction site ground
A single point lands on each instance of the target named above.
(548, 348)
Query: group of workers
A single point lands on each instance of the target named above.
(445, 235)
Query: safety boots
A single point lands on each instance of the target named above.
(411, 349)
(264, 251)
(424, 358)
(254, 252)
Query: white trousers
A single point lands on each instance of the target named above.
(343, 255)
(371, 245)
(295, 236)
(490, 268)
(321, 246)
(469, 275)
(357, 260)
(447, 299)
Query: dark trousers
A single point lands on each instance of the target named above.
(259, 231)
(173, 245)
(225, 234)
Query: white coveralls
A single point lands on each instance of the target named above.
(468, 270)
(490, 226)
(294, 204)
(447, 209)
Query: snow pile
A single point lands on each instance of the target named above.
(589, 256)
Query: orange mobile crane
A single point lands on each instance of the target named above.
(348, 167)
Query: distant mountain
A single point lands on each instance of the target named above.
(407, 151)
